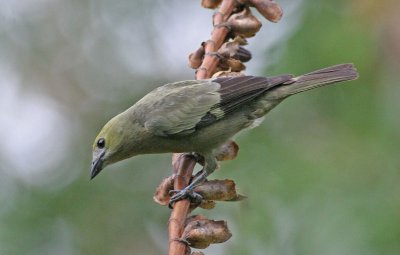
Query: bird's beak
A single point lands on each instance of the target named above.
(97, 165)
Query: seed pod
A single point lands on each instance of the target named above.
(204, 204)
(223, 66)
(269, 9)
(211, 4)
(207, 204)
(201, 233)
(219, 190)
(242, 54)
(230, 48)
(227, 151)
(241, 40)
(244, 23)
(235, 65)
(196, 58)
(161, 196)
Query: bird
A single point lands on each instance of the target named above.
(199, 116)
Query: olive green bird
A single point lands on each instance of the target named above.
(199, 116)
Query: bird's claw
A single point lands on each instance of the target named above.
(186, 193)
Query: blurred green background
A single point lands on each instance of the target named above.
(321, 172)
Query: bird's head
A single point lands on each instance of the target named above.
(110, 145)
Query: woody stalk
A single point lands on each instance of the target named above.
(224, 54)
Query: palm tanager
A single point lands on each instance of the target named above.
(199, 116)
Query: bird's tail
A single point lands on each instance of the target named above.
(329, 75)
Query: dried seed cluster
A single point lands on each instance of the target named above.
(241, 24)
(223, 55)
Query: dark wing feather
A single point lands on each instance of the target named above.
(237, 91)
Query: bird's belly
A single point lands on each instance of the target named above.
(201, 142)
(211, 137)
(205, 139)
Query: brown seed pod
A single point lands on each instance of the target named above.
(161, 196)
(207, 204)
(223, 65)
(244, 23)
(230, 48)
(241, 40)
(227, 151)
(219, 190)
(201, 233)
(211, 4)
(204, 204)
(196, 58)
(269, 9)
(235, 65)
(242, 54)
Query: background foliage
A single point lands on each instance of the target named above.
(321, 173)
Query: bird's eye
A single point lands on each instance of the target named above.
(101, 143)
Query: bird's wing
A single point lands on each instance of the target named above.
(238, 91)
(181, 108)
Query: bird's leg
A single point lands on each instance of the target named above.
(210, 164)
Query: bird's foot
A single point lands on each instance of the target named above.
(186, 193)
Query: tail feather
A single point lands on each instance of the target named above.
(325, 76)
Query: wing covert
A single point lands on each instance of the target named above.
(176, 108)
(182, 107)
